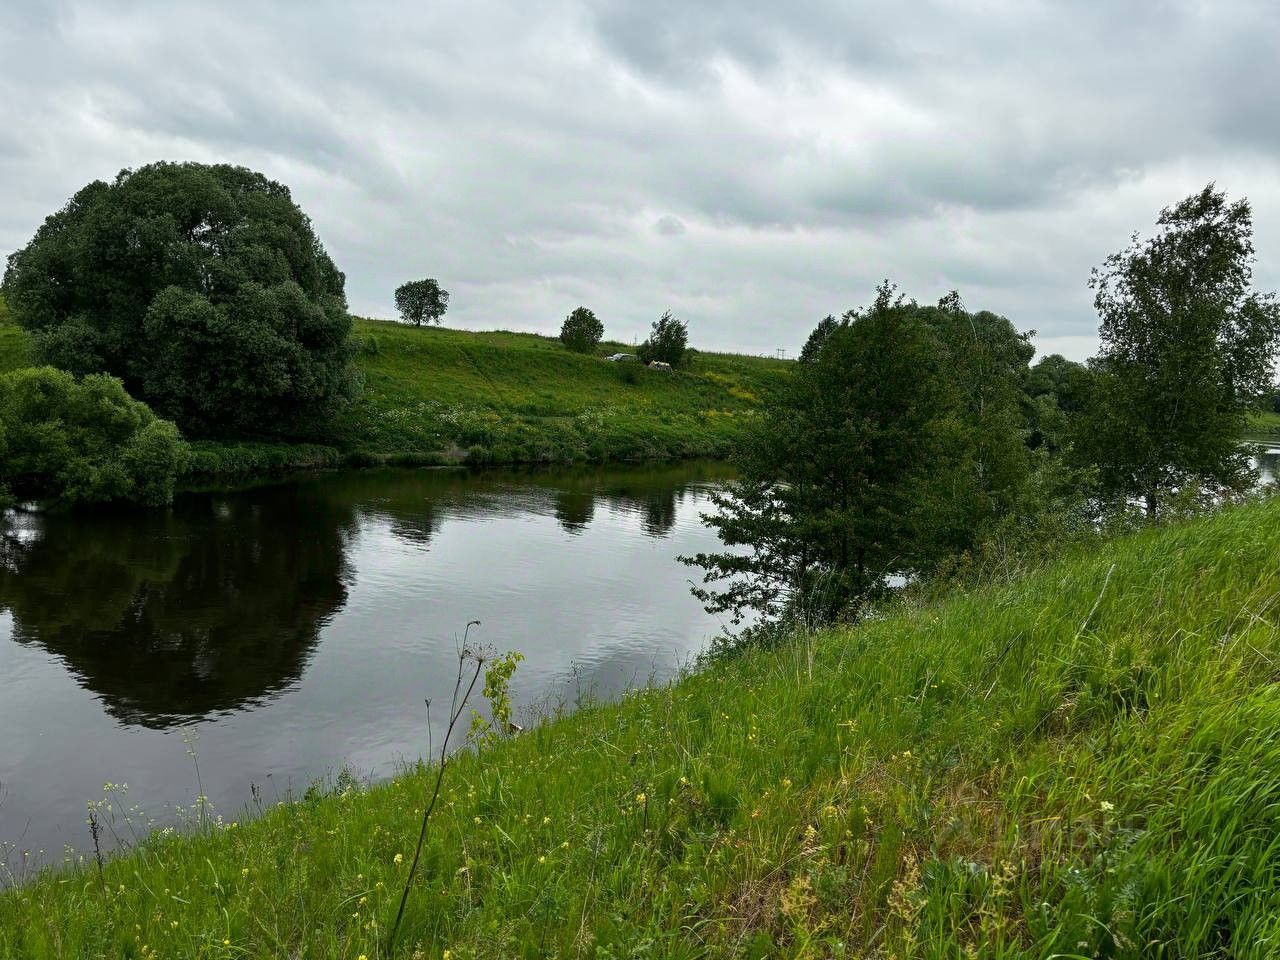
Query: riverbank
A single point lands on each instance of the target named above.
(1265, 425)
(435, 396)
(1078, 762)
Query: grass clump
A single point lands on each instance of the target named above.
(1077, 763)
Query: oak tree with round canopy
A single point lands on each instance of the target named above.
(204, 288)
(420, 300)
(581, 331)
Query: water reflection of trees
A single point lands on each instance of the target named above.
(653, 493)
(218, 602)
(171, 615)
(414, 503)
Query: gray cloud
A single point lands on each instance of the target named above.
(753, 166)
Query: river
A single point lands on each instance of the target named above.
(298, 628)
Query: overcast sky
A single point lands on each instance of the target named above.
(750, 165)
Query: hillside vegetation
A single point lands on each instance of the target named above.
(1078, 763)
(434, 395)
(1265, 424)
(513, 397)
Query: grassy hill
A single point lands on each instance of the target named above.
(1264, 425)
(518, 397)
(439, 395)
(1079, 763)
(15, 350)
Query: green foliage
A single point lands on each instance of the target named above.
(420, 300)
(500, 397)
(83, 441)
(497, 692)
(223, 462)
(1057, 393)
(204, 288)
(843, 487)
(667, 341)
(818, 338)
(1187, 354)
(581, 331)
(1078, 763)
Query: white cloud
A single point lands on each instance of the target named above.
(752, 166)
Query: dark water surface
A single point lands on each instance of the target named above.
(299, 627)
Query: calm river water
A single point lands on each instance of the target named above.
(299, 627)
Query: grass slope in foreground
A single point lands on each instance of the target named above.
(1081, 763)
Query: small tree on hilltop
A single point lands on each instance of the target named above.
(667, 341)
(1187, 353)
(420, 300)
(581, 331)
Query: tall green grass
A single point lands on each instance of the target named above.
(1081, 763)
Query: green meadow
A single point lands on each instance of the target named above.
(434, 395)
(520, 397)
(1079, 761)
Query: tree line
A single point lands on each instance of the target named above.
(913, 437)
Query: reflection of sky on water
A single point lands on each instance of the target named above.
(1268, 462)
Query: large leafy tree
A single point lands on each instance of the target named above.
(1187, 352)
(421, 300)
(581, 331)
(863, 467)
(204, 288)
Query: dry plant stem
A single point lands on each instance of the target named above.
(95, 831)
(456, 707)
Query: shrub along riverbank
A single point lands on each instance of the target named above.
(1079, 762)
(434, 396)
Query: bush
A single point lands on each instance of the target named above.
(83, 441)
(667, 341)
(581, 331)
(203, 288)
